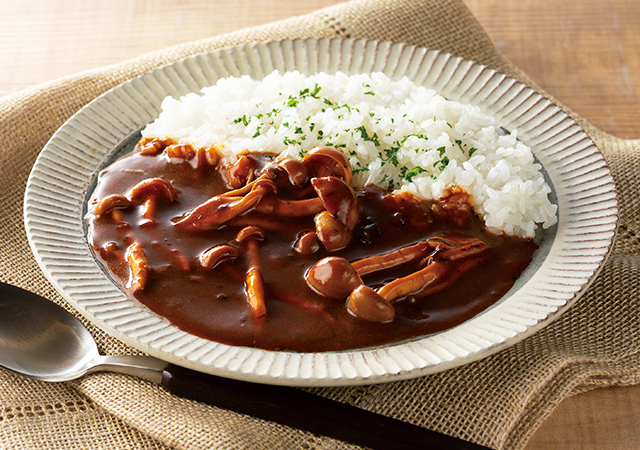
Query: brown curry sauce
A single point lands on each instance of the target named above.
(212, 303)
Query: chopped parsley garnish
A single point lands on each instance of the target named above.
(242, 119)
(365, 135)
(413, 172)
(442, 164)
(390, 155)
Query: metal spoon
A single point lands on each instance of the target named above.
(41, 340)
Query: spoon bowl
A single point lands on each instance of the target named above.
(41, 340)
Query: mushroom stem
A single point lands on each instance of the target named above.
(149, 212)
(398, 257)
(254, 284)
(140, 267)
(449, 266)
(244, 190)
(290, 208)
(469, 247)
(220, 209)
(414, 283)
(118, 218)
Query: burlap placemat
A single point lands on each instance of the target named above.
(498, 401)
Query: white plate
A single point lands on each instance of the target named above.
(570, 256)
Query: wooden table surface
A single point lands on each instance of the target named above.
(586, 53)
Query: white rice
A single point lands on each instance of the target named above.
(396, 134)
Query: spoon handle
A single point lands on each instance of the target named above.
(306, 411)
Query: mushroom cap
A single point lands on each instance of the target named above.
(333, 277)
(338, 198)
(296, 172)
(333, 234)
(328, 161)
(365, 303)
(110, 203)
(215, 255)
(250, 231)
(240, 172)
(307, 243)
(157, 187)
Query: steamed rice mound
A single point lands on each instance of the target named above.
(396, 134)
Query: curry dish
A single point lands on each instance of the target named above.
(284, 254)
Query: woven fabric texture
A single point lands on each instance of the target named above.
(498, 401)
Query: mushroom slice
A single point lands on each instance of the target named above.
(220, 209)
(333, 277)
(367, 304)
(140, 267)
(323, 161)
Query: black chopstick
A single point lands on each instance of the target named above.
(309, 412)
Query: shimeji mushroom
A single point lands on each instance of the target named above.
(220, 209)
(443, 262)
(254, 282)
(139, 265)
(113, 204)
(333, 277)
(328, 161)
(215, 255)
(150, 192)
(334, 225)
(262, 194)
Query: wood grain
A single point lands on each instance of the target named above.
(585, 53)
